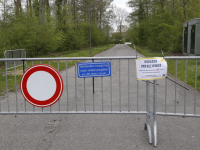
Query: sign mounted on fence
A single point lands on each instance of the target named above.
(151, 68)
(94, 69)
(41, 85)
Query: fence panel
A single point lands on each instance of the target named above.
(115, 94)
(121, 93)
(181, 98)
(18, 53)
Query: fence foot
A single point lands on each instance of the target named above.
(148, 112)
(155, 134)
(154, 114)
(149, 133)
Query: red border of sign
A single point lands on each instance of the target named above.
(54, 73)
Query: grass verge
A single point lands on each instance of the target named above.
(62, 65)
(190, 79)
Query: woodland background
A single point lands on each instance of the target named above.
(158, 24)
(48, 26)
(44, 26)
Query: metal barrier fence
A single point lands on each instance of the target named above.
(121, 93)
(18, 53)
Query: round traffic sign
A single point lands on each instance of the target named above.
(41, 85)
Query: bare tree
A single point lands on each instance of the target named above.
(18, 7)
(184, 9)
(121, 17)
(41, 12)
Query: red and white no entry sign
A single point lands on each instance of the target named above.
(41, 85)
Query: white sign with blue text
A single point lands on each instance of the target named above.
(151, 68)
(94, 69)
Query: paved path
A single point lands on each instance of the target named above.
(102, 131)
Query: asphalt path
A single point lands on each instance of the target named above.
(102, 131)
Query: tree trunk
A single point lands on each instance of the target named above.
(184, 10)
(100, 16)
(41, 12)
(18, 8)
(47, 8)
(4, 11)
(30, 6)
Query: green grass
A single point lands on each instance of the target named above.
(180, 67)
(62, 66)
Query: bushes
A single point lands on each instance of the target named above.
(118, 38)
(26, 33)
(159, 25)
(158, 33)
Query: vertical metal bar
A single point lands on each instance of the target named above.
(137, 84)
(166, 94)
(59, 99)
(185, 86)
(93, 103)
(84, 97)
(32, 65)
(111, 88)
(147, 98)
(93, 79)
(137, 96)
(25, 57)
(50, 106)
(93, 94)
(175, 85)
(16, 87)
(33, 106)
(7, 88)
(67, 85)
(119, 85)
(129, 85)
(102, 91)
(154, 112)
(24, 99)
(76, 88)
(23, 67)
(148, 112)
(195, 93)
(40, 61)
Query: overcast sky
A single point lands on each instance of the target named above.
(122, 4)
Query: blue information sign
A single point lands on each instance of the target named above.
(94, 69)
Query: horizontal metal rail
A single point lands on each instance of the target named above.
(182, 57)
(91, 58)
(178, 114)
(68, 58)
(75, 112)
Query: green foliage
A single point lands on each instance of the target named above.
(118, 38)
(64, 27)
(158, 26)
